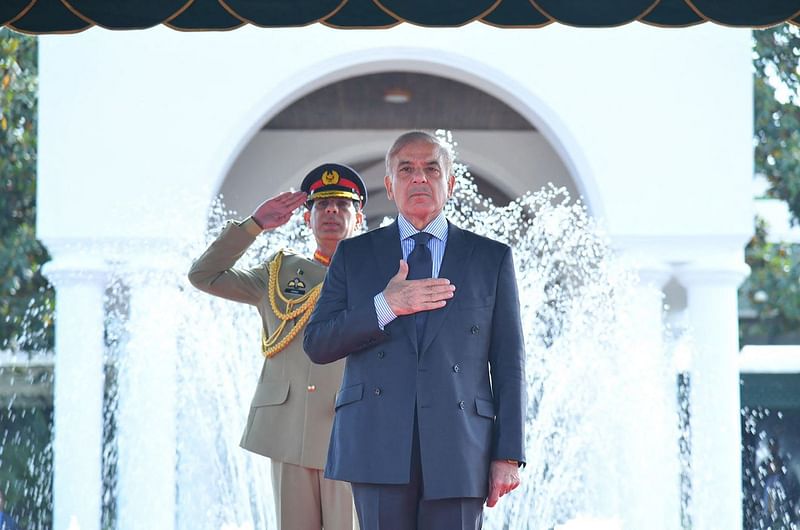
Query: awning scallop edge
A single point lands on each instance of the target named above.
(72, 16)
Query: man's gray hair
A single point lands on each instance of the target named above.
(443, 150)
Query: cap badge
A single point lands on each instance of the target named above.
(330, 177)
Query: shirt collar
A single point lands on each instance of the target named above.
(437, 228)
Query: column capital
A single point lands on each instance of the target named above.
(63, 272)
(153, 269)
(721, 273)
(652, 271)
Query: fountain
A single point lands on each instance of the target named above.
(602, 441)
(603, 433)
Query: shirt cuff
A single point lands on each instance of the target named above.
(385, 313)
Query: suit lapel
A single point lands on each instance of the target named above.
(454, 263)
(387, 261)
(387, 264)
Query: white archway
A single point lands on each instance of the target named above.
(419, 60)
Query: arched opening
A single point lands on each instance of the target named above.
(353, 120)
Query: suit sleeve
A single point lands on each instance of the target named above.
(507, 365)
(214, 272)
(340, 326)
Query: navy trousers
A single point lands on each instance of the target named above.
(404, 506)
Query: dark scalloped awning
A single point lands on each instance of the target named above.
(70, 16)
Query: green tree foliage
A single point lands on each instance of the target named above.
(26, 304)
(773, 288)
(777, 123)
(26, 463)
(26, 299)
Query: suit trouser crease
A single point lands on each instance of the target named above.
(404, 507)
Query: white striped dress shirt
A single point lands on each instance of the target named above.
(436, 244)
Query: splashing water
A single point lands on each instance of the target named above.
(602, 435)
(769, 470)
(25, 451)
(602, 425)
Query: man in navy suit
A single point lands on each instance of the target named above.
(430, 416)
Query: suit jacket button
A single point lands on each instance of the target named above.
(461, 405)
(474, 330)
(456, 368)
(377, 391)
(380, 355)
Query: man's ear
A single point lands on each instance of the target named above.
(387, 182)
(359, 217)
(451, 184)
(307, 217)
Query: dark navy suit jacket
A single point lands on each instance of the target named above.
(466, 381)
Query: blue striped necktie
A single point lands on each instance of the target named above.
(420, 265)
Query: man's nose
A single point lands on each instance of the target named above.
(419, 175)
(331, 208)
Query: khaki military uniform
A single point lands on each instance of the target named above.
(292, 410)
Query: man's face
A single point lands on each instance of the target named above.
(333, 219)
(418, 183)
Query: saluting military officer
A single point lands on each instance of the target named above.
(292, 409)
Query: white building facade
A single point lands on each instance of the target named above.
(140, 130)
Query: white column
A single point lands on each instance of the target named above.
(716, 500)
(146, 437)
(78, 393)
(657, 443)
(653, 276)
